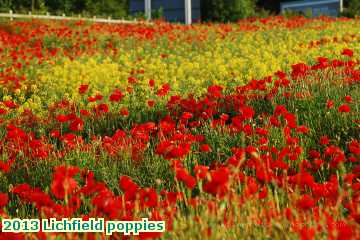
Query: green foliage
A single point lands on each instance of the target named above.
(353, 9)
(263, 13)
(158, 13)
(113, 8)
(291, 13)
(23, 5)
(5, 5)
(228, 10)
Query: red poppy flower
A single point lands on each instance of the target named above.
(148, 197)
(91, 99)
(116, 96)
(280, 74)
(132, 80)
(299, 70)
(83, 88)
(247, 112)
(324, 140)
(348, 98)
(84, 112)
(2, 111)
(291, 120)
(251, 186)
(205, 148)
(124, 112)
(344, 108)
(302, 179)
(3, 199)
(10, 104)
(274, 121)
(218, 185)
(329, 104)
(314, 154)
(102, 108)
(215, 91)
(164, 90)
(347, 52)
(318, 163)
(63, 182)
(76, 125)
(288, 214)
(262, 131)
(151, 83)
(151, 103)
(183, 176)
(354, 147)
(344, 230)
(263, 193)
(62, 118)
(129, 187)
(201, 171)
(306, 202)
(307, 233)
(280, 110)
(248, 130)
(302, 129)
(55, 133)
(186, 116)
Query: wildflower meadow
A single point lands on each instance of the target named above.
(247, 130)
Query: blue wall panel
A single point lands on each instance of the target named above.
(316, 7)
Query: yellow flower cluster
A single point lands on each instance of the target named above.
(192, 66)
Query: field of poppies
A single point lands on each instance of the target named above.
(224, 131)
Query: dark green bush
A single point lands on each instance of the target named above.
(354, 8)
(113, 8)
(227, 10)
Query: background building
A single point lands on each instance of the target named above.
(173, 10)
(313, 7)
